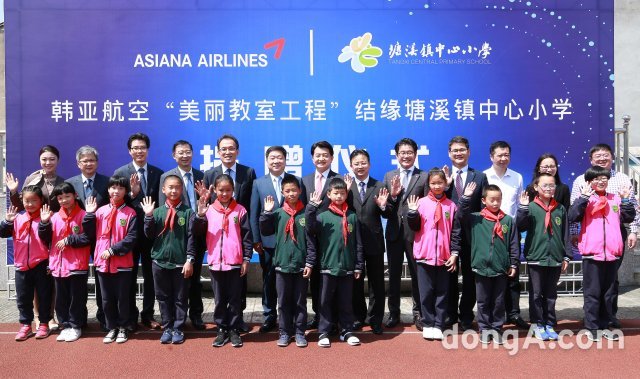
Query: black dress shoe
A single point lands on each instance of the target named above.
(519, 322)
(376, 329)
(465, 325)
(268, 325)
(313, 324)
(417, 321)
(198, 324)
(615, 323)
(449, 322)
(243, 327)
(151, 323)
(392, 321)
(357, 325)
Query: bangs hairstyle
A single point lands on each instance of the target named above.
(536, 180)
(172, 176)
(595, 171)
(323, 145)
(35, 190)
(536, 170)
(138, 136)
(49, 149)
(436, 171)
(63, 188)
(490, 187)
(459, 139)
(120, 181)
(337, 184)
(290, 179)
(223, 178)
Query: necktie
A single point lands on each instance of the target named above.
(362, 191)
(228, 172)
(405, 179)
(318, 182)
(277, 185)
(190, 194)
(143, 181)
(459, 184)
(87, 188)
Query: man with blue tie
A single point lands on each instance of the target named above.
(268, 185)
(183, 155)
(243, 177)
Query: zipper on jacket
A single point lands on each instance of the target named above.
(221, 241)
(604, 233)
(29, 246)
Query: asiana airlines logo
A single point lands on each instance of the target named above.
(361, 53)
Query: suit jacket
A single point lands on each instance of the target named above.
(100, 188)
(37, 178)
(480, 178)
(397, 225)
(196, 176)
(309, 184)
(243, 185)
(369, 213)
(263, 187)
(153, 184)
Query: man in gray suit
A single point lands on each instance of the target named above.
(90, 183)
(399, 236)
(182, 153)
(145, 181)
(268, 185)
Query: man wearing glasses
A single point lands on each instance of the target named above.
(602, 155)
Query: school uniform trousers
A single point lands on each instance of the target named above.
(292, 302)
(116, 292)
(433, 282)
(227, 290)
(598, 287)
(544, 292)
(336, 299)
(172, 293)
(35, 280)
(490, 294)
(71, 300)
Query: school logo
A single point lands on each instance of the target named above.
(302, 222)
(447, 215)
(361, 53)
(505, 228)
(235, 220)
(181, 221)
(350, 228)
(615, 208)
(558, 221)
(123, 222)
(76, 229)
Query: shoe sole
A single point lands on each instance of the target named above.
(220, 345)
(283, 344)
(166, 342)
(302, 344)
(177, 342)
(108, 341)
(353, 343)
(121, 340)
(25, 338)
(609, 338)
(237, 344)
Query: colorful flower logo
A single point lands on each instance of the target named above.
(361, 53)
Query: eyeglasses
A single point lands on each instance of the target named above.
(548, 186)
(139, 148)
(88, 161)
(503, 156)
(228, 150)
(547, 167)
(601, 156)
(406, 153)
(458, 151)
(601, 179)
(185, 153)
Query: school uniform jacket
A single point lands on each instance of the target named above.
(99, 189)
(196, 175)
(28, 249)
(119, 241)
(171, 247)
(397, 225)
(243, 183)
(369, 214)
(291, 257)
(541, 247)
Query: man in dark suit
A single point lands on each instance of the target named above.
(322, 156)
(90, 183)
(145, 181)
(412, 181)
(268, 185)
(368, 198)
(458, 178)
(243, 177)
(183, 155)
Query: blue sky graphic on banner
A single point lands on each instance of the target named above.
(358, 74)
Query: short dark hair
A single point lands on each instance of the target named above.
(63, 188)
(337, 183)
(181, 142)
(323, 145)
(228, 136)
(499, 145)
(595, 171)
(49, 149)
(357, 152)
(536, 179)
(120, 181)
(173, 176)
(275, 148)
(406, 141)
(138, 136)
(490, 187)
(459, 139)
(289, 179)
(223, 178)
(598, 147)
(436, 171)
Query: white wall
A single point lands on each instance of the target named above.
(627, 65)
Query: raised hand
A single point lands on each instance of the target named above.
(469, 188)
(268, 203)
(524, 198)
(148, 205)
(12, 183)
(348, 179)
(90, 205)
(45, 213)
(586, 190)
(447, 174)
(202, 206)
(12, 212)
(134, 181)
(396, 186)
(60, 245)
(412, 202)
(202, 190)
(383, 196)
(625, 192)
(316, 197)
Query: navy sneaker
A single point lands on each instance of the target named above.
(553, 336)
(284, 339)
(178, 337)
(234, 336)
(540, 333)
(166, 336)
(301, 341)
(221, 339)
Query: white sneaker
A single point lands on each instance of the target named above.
(324, 341)
(111, 336)
(437, 334)
(350, 338)
(73, 334)
(63, 335)
(427, 333)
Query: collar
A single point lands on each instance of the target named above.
(411, 170)
(281, 176)
(84, 178)
(325, 174)
(492, 172)
(182, 172)
(365, 181)
(454, 170)
(233, 168)
(136, 167)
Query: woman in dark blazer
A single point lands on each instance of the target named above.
(548, 164)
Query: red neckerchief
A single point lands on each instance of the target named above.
(171, 216)
(111, 217)
(497, 228)
(291, 223)
(342, 211)
(438, 214)
(600, 205)
(225, 212)
(553, 204)
(24, 229)
(67, 218)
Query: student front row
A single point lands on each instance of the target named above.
(58, 245)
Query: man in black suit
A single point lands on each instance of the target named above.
(182, 153)
(145, 181)
(412, 181)
(90, 183)
(243, 177)
(458, 178)
(322, 156)
(368, 198)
